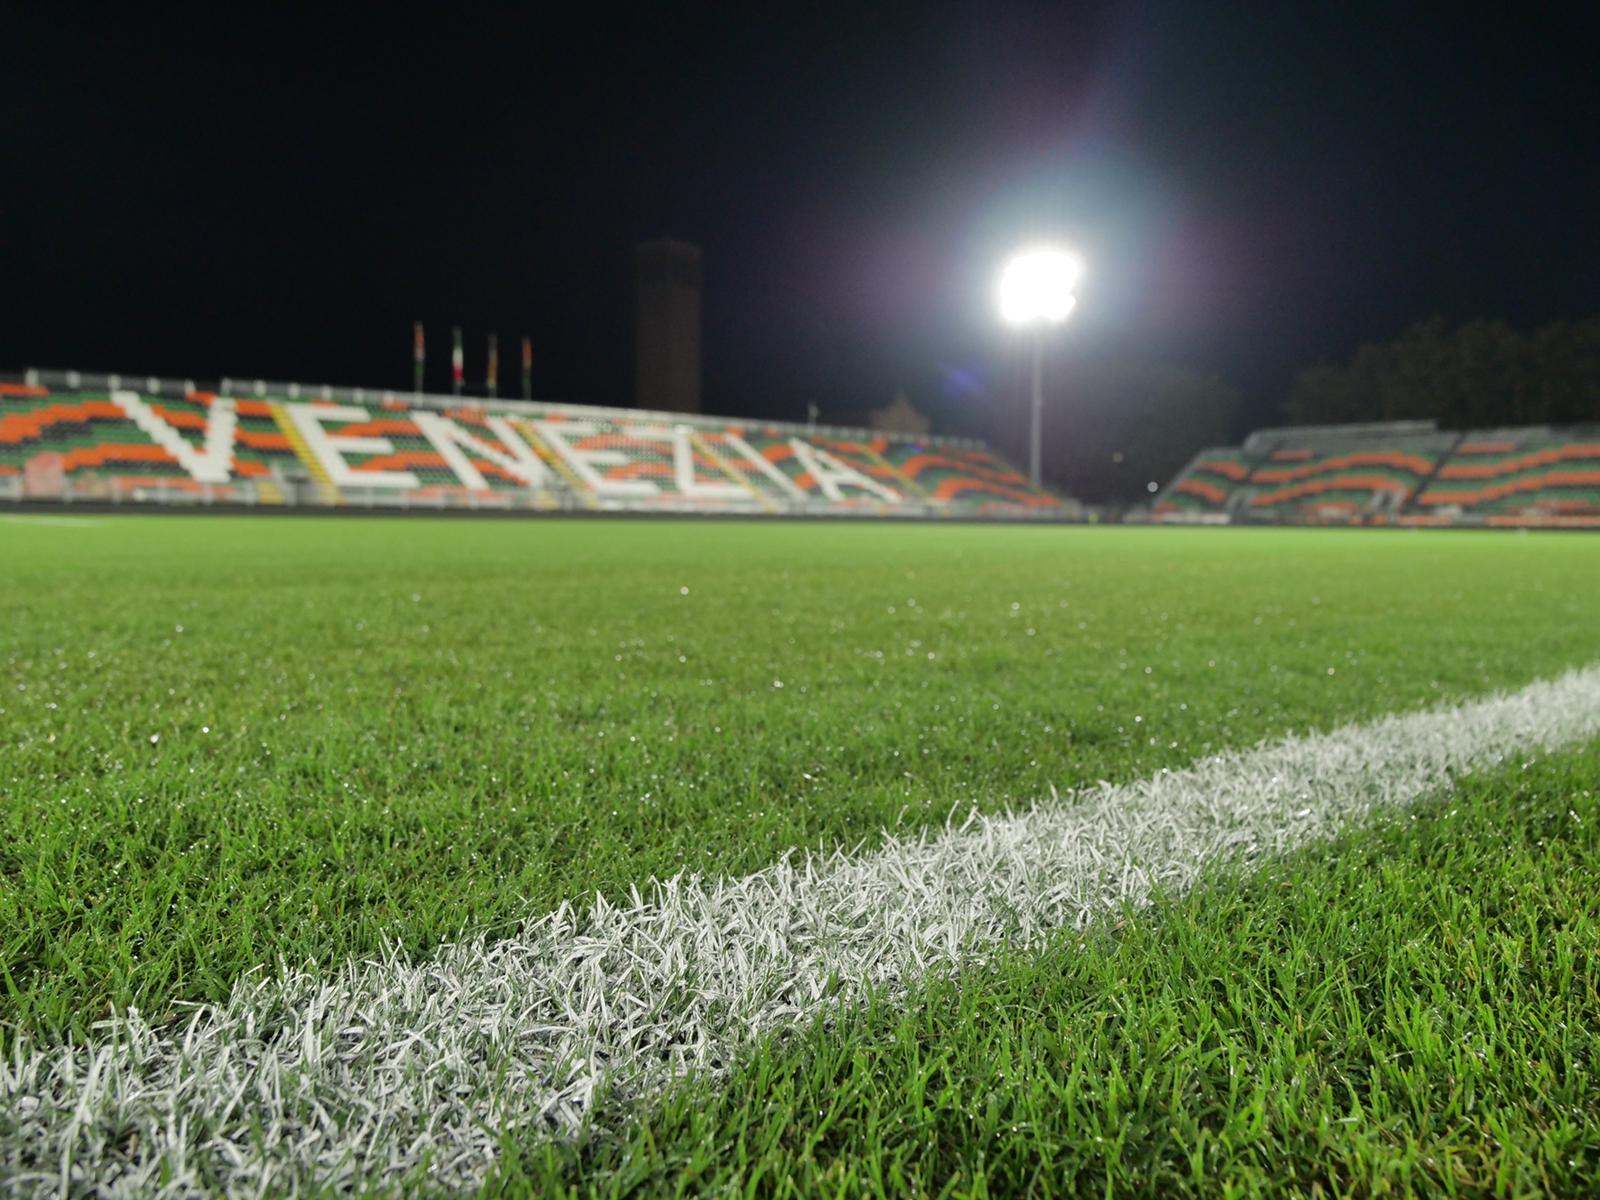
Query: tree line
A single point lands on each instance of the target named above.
(1479, 374)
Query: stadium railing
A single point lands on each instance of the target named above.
(73, 437)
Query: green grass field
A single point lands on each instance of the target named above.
(230, 743)
(1412, 1009)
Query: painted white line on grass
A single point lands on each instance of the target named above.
(306, 1081)
(51, 521)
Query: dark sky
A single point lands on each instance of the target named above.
(256, 193)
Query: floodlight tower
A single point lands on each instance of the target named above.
(1036, 294)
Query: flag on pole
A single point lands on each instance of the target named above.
(494, 365)
(527, 367)
(457, 360)
(418, 355)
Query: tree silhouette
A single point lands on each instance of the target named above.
(1480, 374)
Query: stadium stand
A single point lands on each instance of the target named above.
(1403, 472)
(1206, 490)
(74, 438)
(1535, 476)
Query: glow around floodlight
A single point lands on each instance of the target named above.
(1036, 286)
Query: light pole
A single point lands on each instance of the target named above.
(1036, 294)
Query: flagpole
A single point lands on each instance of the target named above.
(527, 367)
(418, 356)
(457, 361)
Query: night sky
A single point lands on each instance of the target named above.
(1255, 187)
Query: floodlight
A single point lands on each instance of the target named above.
(1036, 293)
(1036, 286)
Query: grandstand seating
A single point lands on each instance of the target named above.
(1407, 473)
(1204, 489)
(105, 439)
(1536, 476)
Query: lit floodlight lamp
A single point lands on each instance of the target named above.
(1036, 286)
(1035, 293)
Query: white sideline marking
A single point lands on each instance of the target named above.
(308, 1081)
(61, 522)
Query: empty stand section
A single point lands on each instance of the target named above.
(1408, 473)
(76, 438)
(1330, 481)
(1534, 476)
(1205, 490)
